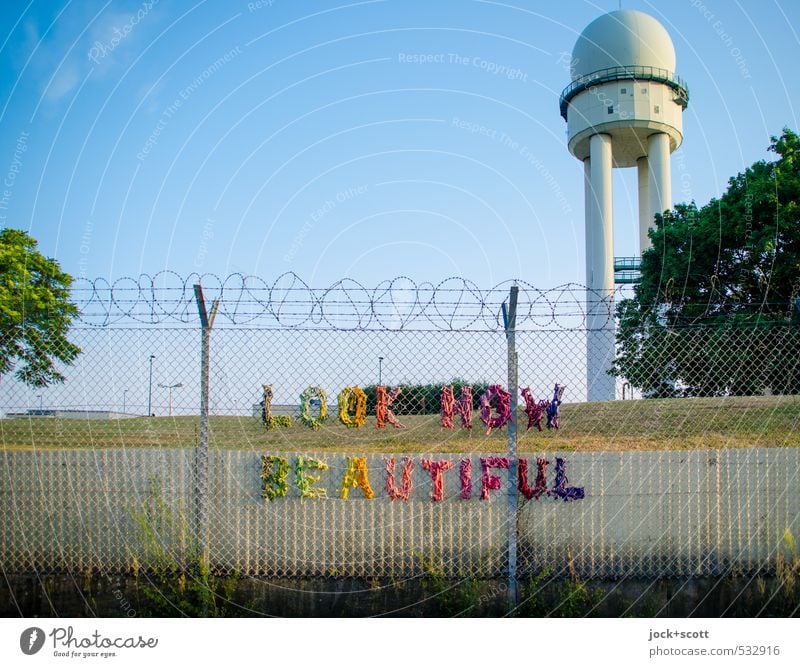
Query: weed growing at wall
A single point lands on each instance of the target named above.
(170, 570)
(446, 596)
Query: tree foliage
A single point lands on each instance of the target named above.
(35, 312)
(715, 312)
(425, 399)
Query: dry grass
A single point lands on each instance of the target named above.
(764, 421)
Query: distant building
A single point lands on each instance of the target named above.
(70, 414)
(278, 410)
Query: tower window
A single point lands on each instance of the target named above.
(644, 91)
(610, 110)
(657, 109)
(623, 91)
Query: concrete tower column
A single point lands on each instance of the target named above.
(645, 219)
(588, 195)
(600, 278)
(659, 182)
(601, 275)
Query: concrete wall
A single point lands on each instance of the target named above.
(647, 514)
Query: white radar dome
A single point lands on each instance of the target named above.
(622, 38)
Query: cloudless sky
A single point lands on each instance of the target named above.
(349, 139)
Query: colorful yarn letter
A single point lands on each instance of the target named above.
(304, 481)
(274, 473)
(436, 468)
(534, 410)
(353, 399)
(404, 492)
(488, 480)
(464, 407)
(448, 405)
(356, 476)
(281, 421)
(465, 472)
(503, 407)
(383, 401)
(266, 406)
(305, 407)
(554, 409)
(540, 486)
(560, 488)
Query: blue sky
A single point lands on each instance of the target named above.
(348, 139)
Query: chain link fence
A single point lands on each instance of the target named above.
(121, 444)
(645, 514)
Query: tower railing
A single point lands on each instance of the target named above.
(626, 72)
(627, 270)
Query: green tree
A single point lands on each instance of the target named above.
(35, 312)
(715, 311)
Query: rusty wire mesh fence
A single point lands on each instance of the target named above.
(84, 467)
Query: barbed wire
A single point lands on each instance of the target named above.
(397, 304)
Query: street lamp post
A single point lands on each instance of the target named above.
(39, 396)
(124, 391)
(380, 371)
(150, 388)
(170, 387)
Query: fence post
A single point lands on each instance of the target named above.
(201, 455)
(510, 321)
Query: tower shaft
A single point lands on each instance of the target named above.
(659, 182)
(645, 219)
(600, 270)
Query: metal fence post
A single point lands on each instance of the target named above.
(201, 455)
(510, 321)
